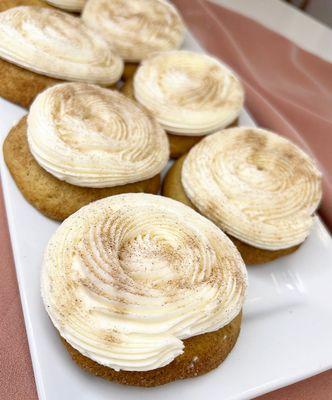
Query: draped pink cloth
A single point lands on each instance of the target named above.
(16, 376)
(288, 90)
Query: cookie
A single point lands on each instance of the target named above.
(143, 290)
(202, 354)
(135, 29)
(178, 144)
(172, 187)
(54, 198)
(192, 95)
(19, 60)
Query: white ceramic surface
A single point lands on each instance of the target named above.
(286, 332)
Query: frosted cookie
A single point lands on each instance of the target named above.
(41, 46)
(135, 28)
(178, 144)
(190, 94)
(80, 143)
(143, 290)
(256, 186)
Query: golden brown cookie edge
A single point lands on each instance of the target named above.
(129, 71)
(52, 197)
(202, 354)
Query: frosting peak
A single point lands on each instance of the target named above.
(126, 278)
(90, 136)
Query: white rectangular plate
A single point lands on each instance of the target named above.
(286, 331)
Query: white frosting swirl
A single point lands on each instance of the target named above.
(70, 5)
(126, 278)
(136, 28)
(189, 93)
(95, 137)
(56, 44)
(255, 185)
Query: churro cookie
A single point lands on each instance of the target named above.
(191, 95)
(258, 187)
(143, 290)
(80, 143)
(136, 28)
(54, 198)
(33, 56)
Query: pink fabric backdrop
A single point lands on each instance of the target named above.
(16, 376)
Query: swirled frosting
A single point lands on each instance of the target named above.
(255, 185)
(189, 93)
(95, 137)
(56, 44)
(126, 278)
(70, 5)
(136, 28)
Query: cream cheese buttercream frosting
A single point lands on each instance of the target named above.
(94, 137)
(56, 44)
(127, 278)
(69, 5)
(190, 94)
(255, 185)
(136, 28)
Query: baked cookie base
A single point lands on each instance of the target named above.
(202, 354)
(128, 87)
(129, 71)
(172, 187)
(55, 198)
(19, 85)
(178, 144)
